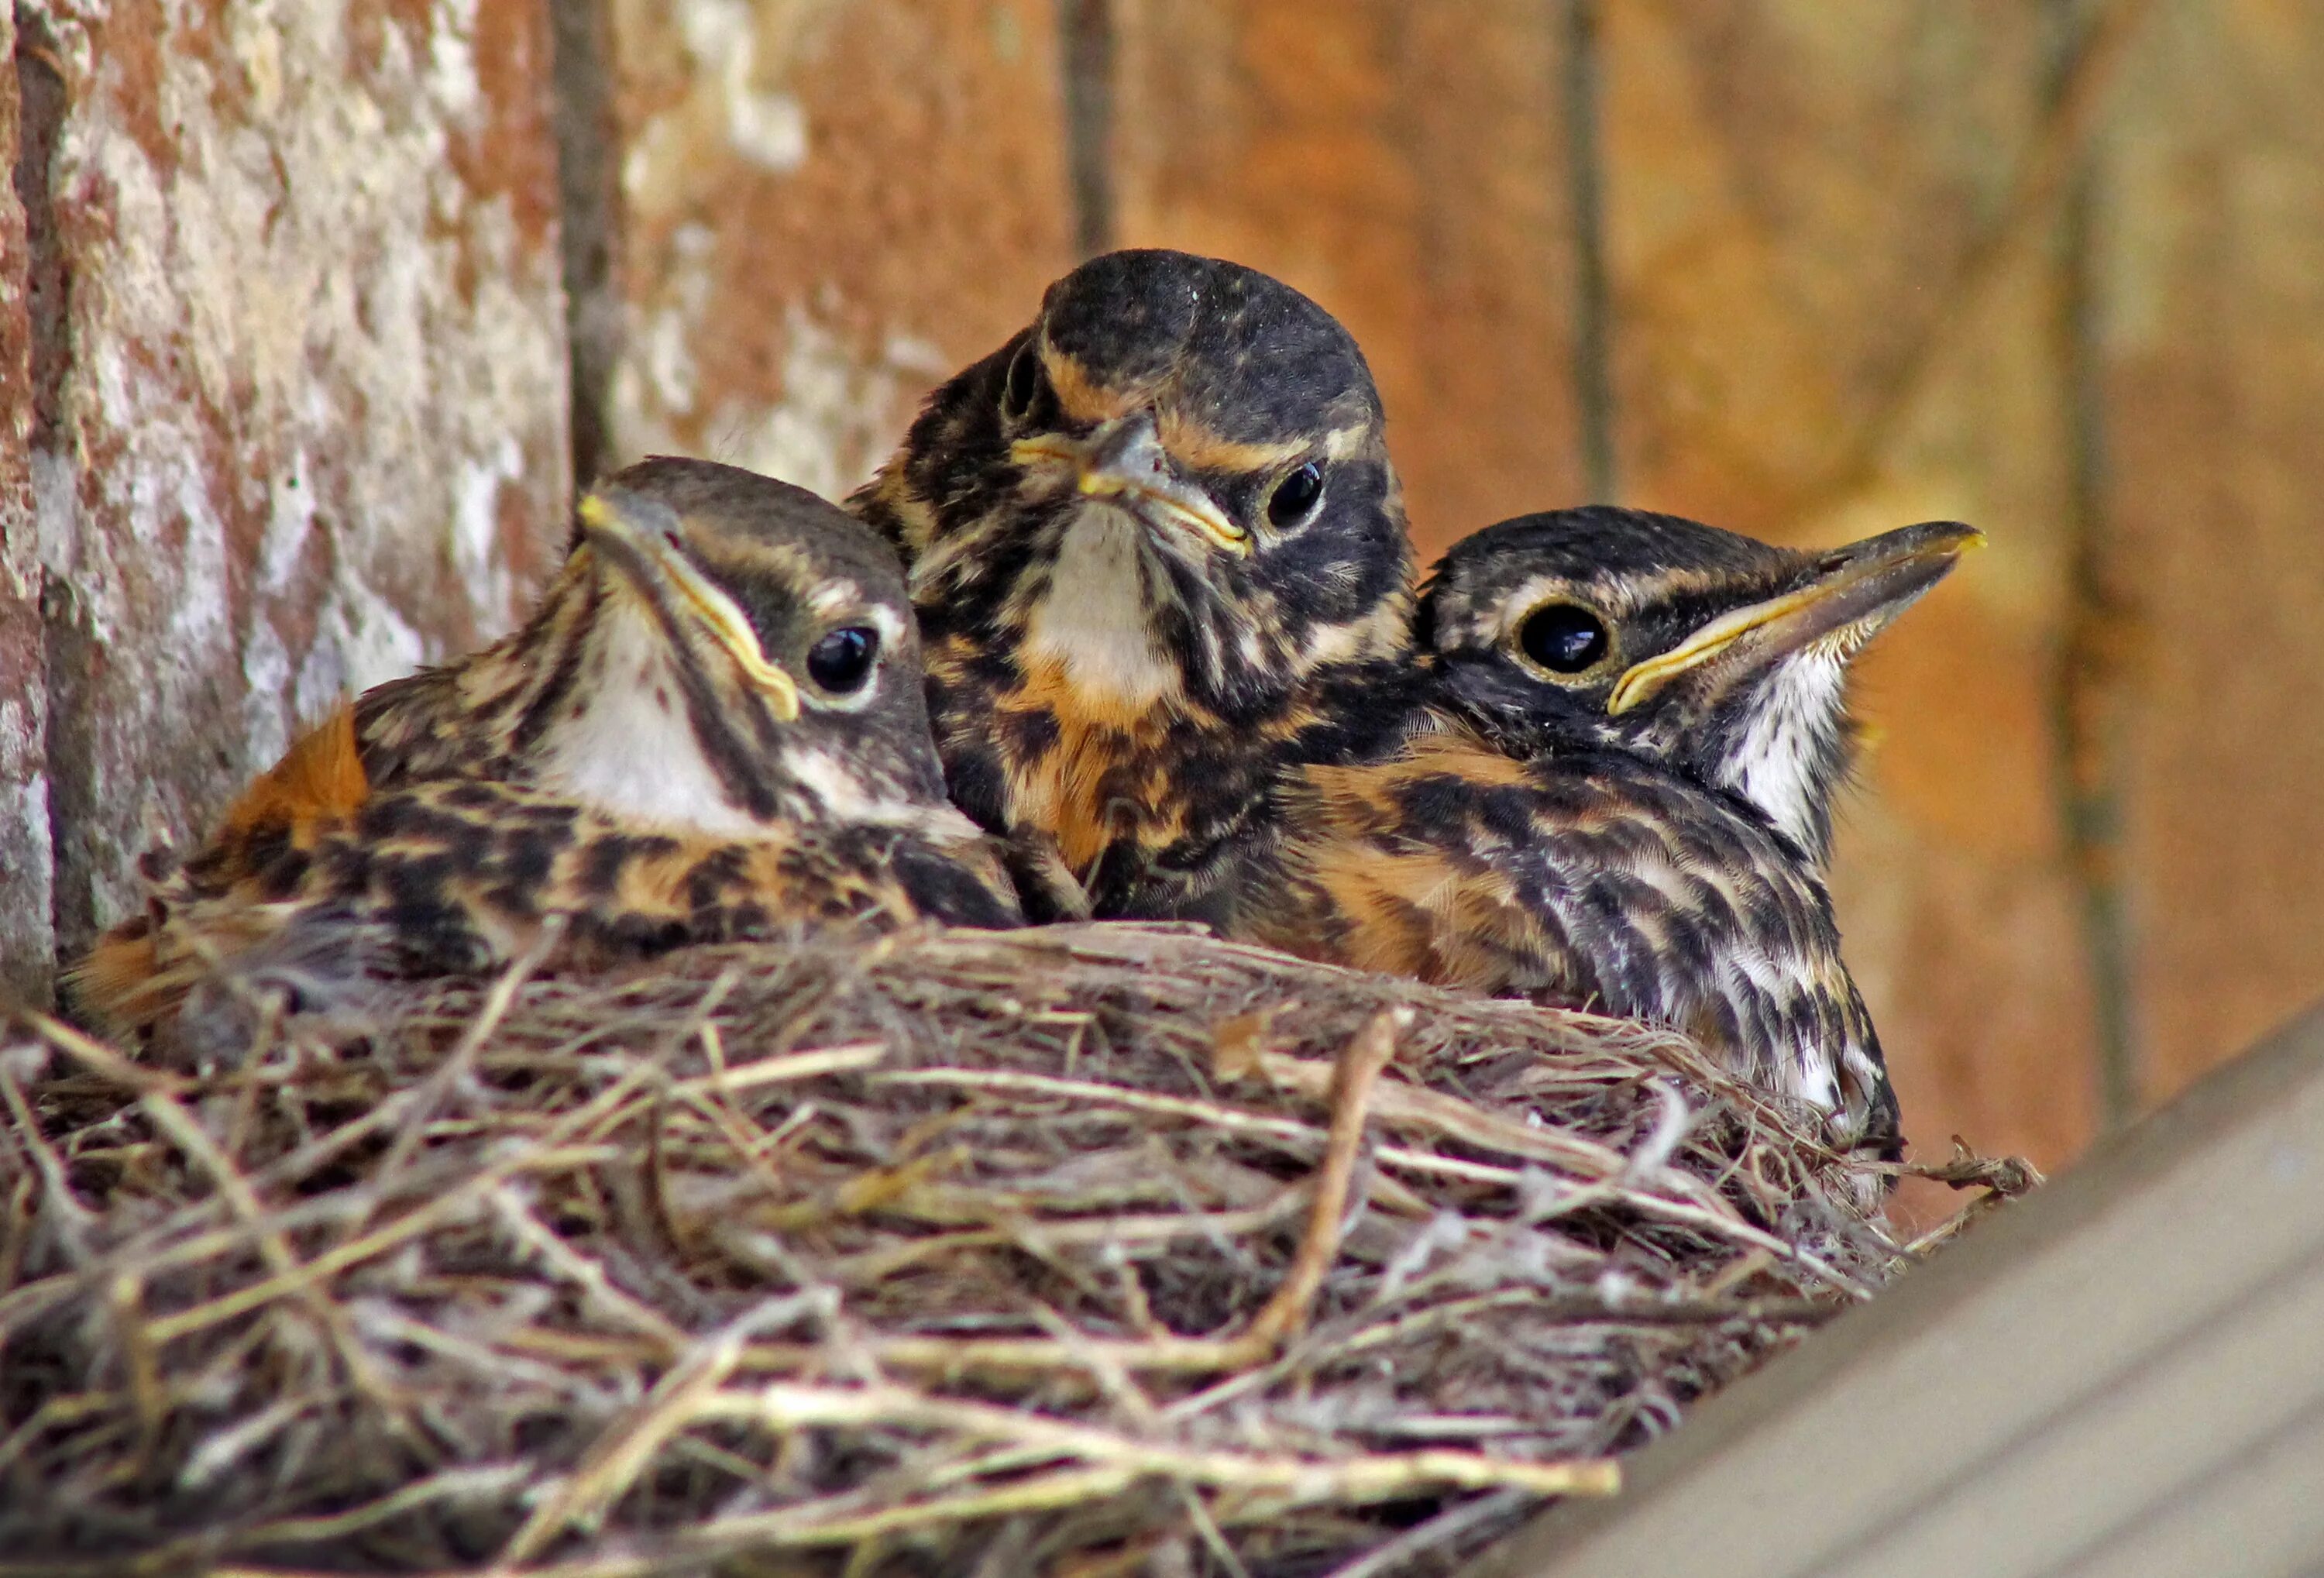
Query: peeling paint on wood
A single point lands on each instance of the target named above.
(826, 207)
(26, 865)
(313, 429)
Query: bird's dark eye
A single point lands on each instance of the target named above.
(1295, 496)
(1562, 638)
(1024, 381)
(841, 660)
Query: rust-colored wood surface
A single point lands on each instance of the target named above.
(1404, 165)
(306, 422)
(822, 211)
(2214, 176)
(330, 295)
(27, 940)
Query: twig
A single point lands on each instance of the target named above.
(74, 1221)
(1360, 1069)
(170, 1117)
(1369, 1477)
(614, 1461)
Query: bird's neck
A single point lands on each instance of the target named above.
(1786, 750)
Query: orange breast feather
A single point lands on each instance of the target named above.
(321, 775)
(134, 975)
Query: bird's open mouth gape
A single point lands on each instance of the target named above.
(1852, 592)
(681, 593)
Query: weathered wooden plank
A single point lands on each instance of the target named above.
(2213, 205)
(2092, 1376)
(1830, 320)
(1403, 164)
(822, 212)
(311, 430)
(26, 865)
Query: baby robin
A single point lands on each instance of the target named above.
(711, 727)
(1629, 808)
(1722, 655)
(1157, 546)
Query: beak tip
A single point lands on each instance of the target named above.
(1953, 536)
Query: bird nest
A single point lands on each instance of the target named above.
(1085, 1249)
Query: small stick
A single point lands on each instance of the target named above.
(1365, 1478)
(170, 1117)
(619, 1457)
(102, 1059)
(1360, 1068)
(74, 1221)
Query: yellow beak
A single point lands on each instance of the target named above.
(640, 536)
(1124, 461)
(1867, 582)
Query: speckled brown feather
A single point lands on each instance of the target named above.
(1587, 878)
(1097, 671)
(1652, 850)
(459, 875)
(438, 822)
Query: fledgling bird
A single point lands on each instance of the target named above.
(1156, 546)
(1629, 808)
(711, 727)
(1722, 655)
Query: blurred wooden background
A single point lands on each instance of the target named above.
(309, 315)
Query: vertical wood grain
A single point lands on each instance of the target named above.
(1401, 165)
(2215, 377)
(824, 210)
(310, 429)
(27, 861)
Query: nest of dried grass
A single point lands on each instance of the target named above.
(1079, 1251)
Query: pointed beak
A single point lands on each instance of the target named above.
(1124, 462)
(1855, 589)
(639, 537)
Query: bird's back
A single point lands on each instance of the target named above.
(1587, 878)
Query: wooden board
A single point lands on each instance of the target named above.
(1402, 165)
(2213, 183)
(309, 425)
(2123, 1373)
(823, 211)
(27, 862)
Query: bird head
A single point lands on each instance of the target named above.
(724, 650)
(1719, 653)
(1170, 489)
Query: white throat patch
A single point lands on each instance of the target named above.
(633, 753)
(1793, 729)
(1092, 620)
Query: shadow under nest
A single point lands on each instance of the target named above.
(1083, 1250)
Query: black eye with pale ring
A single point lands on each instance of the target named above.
(1293, 503)
(841, 660)
(1024, 381)
(1563, 637)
